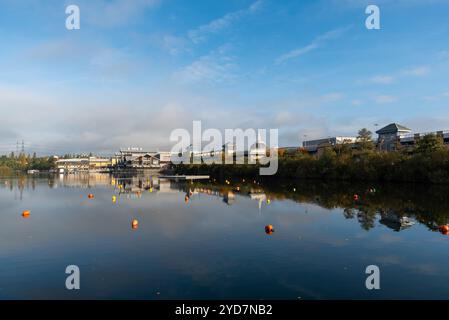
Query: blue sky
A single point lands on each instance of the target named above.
(138, 69)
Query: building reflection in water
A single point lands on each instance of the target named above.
(392, 207)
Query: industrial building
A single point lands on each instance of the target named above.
(312, 146)
(85, 164)
(395, 135)
(389, 138)
(138, 158)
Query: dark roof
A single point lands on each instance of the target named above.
(392, 128)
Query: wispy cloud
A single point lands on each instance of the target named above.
(417, 71)
(112, 13)
(436, 97)
(382, 79)
(383, 99)
(332, 97)
(201, 33)
(217, 66)
(315, 44)
(172, 44)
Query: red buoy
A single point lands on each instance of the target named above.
(444, 229)
(269, 229)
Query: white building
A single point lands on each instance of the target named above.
(87, 164)
(313, 145)
(138, 158)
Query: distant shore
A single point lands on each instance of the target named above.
(432, 167)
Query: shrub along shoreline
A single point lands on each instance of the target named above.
(428, 162)
(14, 165)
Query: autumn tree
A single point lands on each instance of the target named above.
(365, 140)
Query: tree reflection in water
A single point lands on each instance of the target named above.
(397, 206)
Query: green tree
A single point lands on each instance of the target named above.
(365, 140)
(428, 144)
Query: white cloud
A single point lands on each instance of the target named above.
(332, 97)
(172, 44)
(201, 33)
(417, 71)
(315, 44)
(443, 55)
(112, 13)
(436, 97)
(217, 66)
(381, 79)
(383, 99)
(389, 79)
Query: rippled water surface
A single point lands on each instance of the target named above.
(208, 240)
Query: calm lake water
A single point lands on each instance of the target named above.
(213, 244)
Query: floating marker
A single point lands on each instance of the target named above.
(444, 229)
(26, 213)
(269, 229)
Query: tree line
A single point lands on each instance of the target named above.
(12, 163)
(426, 161)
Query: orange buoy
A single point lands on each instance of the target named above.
(269, 229)
(134, 224)
(444, 229)
(90, 196)
(26, 213)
